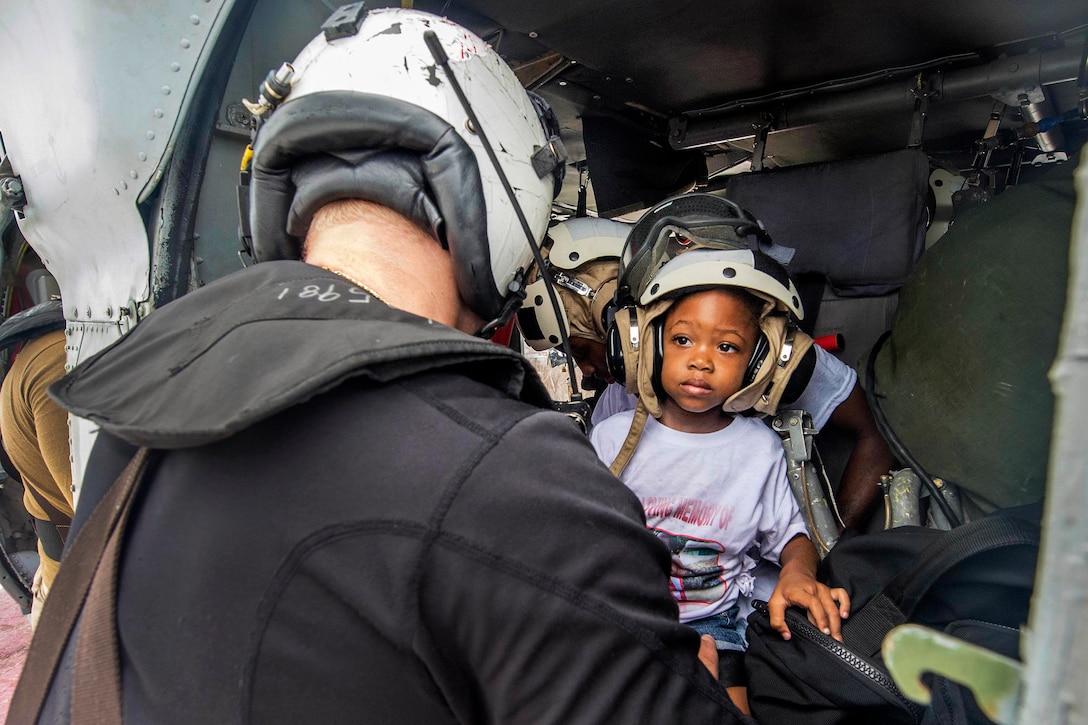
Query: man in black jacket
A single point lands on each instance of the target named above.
(355, 511)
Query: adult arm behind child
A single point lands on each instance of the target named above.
(870, 459)
(797, 587)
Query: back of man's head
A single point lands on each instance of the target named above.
(372, 114)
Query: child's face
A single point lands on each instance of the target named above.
(708, 340)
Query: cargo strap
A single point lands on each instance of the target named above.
(87, 586)
(634, 434)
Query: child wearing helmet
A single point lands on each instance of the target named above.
(584, 264)
(712, 482)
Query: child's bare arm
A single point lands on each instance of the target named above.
(797, 586)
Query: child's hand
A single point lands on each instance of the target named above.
(797, 586)
(826, 607)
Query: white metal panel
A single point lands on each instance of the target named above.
(83, 339)
(93, 92)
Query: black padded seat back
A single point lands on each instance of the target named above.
(859, 224)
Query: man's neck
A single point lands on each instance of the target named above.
(398, 262)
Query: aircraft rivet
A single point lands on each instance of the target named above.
(194, 19)
(166, 90)
(185, 43)
(175, 66)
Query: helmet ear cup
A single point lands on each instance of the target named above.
(657, 331)
(759, 354)
(613, 346)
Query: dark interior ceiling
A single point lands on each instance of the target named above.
(647, 90)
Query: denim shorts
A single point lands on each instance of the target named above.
(727, 629)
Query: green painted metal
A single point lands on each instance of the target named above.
(911, 650)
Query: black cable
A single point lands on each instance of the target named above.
(893, 440)
(435, 46)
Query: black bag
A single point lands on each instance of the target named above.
(973, 582)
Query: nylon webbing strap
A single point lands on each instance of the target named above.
(865, 630)
(96, 677)
(69, 592)
(638, 424)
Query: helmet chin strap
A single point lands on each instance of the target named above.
(517, 288)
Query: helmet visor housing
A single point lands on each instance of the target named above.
(681, 224)
(704, 268)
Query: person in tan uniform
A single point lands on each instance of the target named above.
(35, 437)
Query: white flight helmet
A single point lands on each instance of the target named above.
(370, 114)
(583, 263)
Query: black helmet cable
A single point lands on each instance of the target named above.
(440, 57)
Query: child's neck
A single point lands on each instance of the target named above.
(685, 421)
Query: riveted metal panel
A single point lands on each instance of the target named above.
(98, 88)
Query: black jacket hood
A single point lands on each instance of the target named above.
(262, 340)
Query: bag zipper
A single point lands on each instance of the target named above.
(800, 625)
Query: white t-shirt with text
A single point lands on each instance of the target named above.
(710, 497)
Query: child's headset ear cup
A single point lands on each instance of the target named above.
(617, 320)
(613, 353)
(657, 330)
(759, 354)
